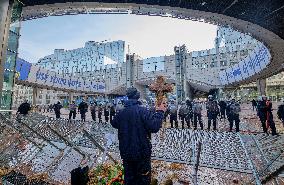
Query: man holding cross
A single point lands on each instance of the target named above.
(135, 124)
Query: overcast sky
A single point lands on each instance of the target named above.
(148, 36)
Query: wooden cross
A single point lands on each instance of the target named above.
(160, 88)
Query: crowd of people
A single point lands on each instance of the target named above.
(186, 114)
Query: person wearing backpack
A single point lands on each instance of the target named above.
(212, 112)
(233, 115)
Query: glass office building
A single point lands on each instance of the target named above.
(90, 58)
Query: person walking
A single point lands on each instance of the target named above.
(212, 112)
(234, 115)
(83, 108)
(197, 110)
(56, 108)
(135, 124)
(72, 110)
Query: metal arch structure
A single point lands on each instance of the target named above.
(267, 14)
(263, 22)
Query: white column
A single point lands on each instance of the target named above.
(71, 96)
(261, 86)
(35, 93)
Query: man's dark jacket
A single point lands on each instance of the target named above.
(135, 124)
(262, 110)
(57, 107)
(83, 107)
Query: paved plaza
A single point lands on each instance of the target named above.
(56, 146)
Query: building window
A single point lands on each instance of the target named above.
(223, 63)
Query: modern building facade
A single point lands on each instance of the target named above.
(93, 56)
(140, 72)
(229, 37)
(36, 96)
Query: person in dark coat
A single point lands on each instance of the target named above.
(83, 108)
(212, 112)
(270, 121)
(24, 108)
(265, 115)
(223, 106)
(100, 112)
(112, 111)
(106, 112)
(254, 104)
(135, 124)
(72, 109)
(189, 117)
(234, 115)
(93, 111)
(56, 108)
(173, 109)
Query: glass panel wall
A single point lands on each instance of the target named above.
(11, 55)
